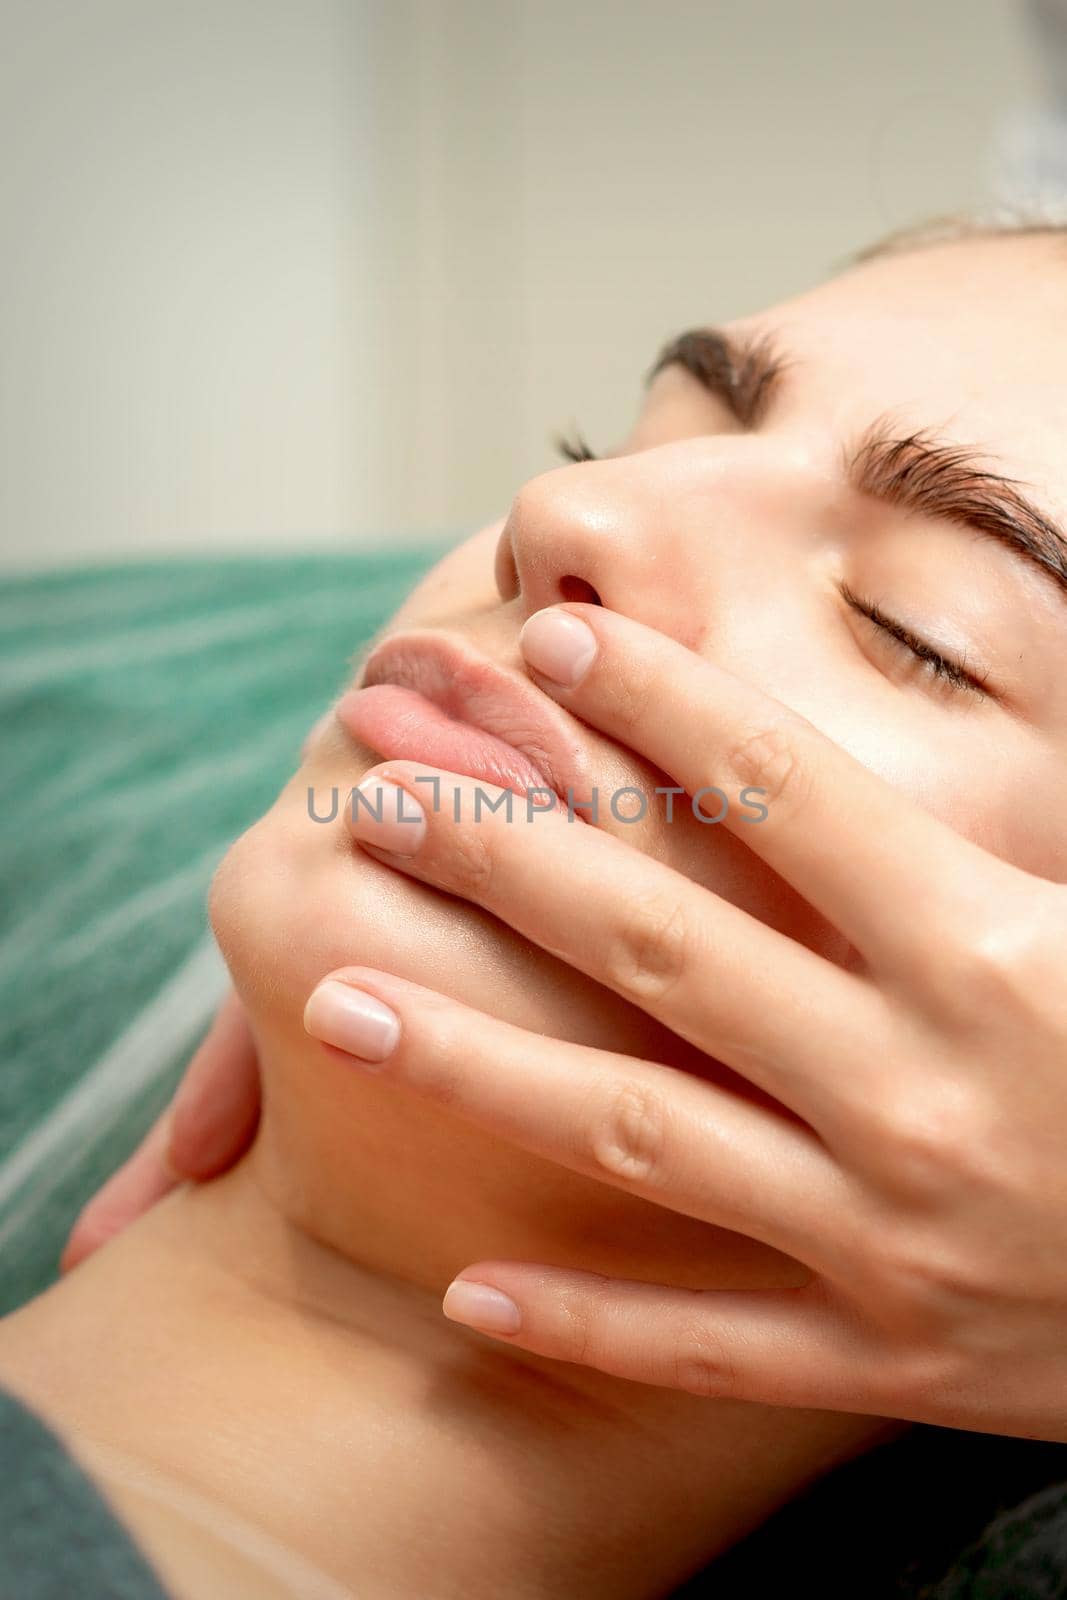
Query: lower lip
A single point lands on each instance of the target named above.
(402, 725)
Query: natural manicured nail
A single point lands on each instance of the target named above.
(559, 646)
(352, 1020)
(479, 1306)
(384, 814)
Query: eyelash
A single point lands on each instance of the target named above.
(572, 447)
(954, 674)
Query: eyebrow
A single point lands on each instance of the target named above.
(743, 370)
(915, 471)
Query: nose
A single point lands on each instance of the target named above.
(555, 536)
(577, 533)
(669, 535)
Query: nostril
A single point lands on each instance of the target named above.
(505, 570)
(572, 588)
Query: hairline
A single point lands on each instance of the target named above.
(959, 228)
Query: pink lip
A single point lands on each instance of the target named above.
(424, 697)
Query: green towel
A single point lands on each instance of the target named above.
(150, 713)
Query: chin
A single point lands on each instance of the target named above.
(293, 900)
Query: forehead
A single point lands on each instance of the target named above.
(968, 338)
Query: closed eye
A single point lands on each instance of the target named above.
(946, 669)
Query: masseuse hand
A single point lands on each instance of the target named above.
(208, 1124)
(924, 1184)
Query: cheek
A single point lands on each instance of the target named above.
(461, 584)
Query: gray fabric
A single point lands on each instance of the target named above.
(59, 1540)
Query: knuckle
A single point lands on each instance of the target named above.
(923, 1132)
(702, 1363)
(628, 1135)
(915, 1357)
(646, 953)
(771, 759)
(928, 1283)
(939, 1376)
(936, 1151)
(436, 1061)
(465, 861)
(632, 693)
(993, 965)
(582, 1313)
(997, 970)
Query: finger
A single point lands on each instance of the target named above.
(216, 1107)
(142, 1180)
(743, 993)
(786, 1347)
(207, 1125)
(665, 1135)
(831, 824)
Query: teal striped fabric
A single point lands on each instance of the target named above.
(149, 713)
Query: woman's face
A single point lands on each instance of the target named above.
(755, 520)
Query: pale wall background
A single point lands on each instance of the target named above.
(295, 273)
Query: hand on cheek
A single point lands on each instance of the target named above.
(877, 1159)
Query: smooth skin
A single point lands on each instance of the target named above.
(916, 1184)
(902, 1133)
(927, 1079)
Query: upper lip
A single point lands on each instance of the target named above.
(475, 690)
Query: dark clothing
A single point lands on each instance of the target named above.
(936, 1514)
(59, 1540)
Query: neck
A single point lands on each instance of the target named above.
(263, 1404)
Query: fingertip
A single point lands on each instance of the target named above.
(374, 981)
(93, 1227)
(79, 1245)
(558, 644)
(353, 1020)
(481, 1306)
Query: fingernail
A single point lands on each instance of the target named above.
(559, 645)
(479, 1306)
(352, 1020)
(384, 814)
